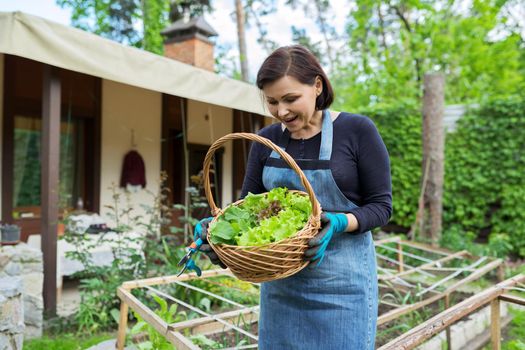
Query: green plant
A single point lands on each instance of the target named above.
(262, 218)
(166, 312)
(484, 162)
(66, 341)
(517, 331)
(407, 321)
(484, 183)
(400, 128)
(192, 211)
(135, 256)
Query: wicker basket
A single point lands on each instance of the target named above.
(271, 261)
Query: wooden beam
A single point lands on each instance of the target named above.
(208, 325)
(174, 278)
(122, 325)
(50, 158)
(393, 314)
(427, 248)
(400, 257)
(8, 146)
(495, 330)
(203, 320)
(475, 275)
(424, 266)
(513, 299)
(436, 324)
(448, 332)
(388, 240)
(176, 338)
(199, 311)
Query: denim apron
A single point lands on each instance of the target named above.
(334, 305)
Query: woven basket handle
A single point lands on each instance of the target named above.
(253, 137)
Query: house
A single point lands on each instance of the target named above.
(72, 104)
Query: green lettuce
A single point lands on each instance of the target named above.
(262, 218)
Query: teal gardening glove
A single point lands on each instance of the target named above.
(201, 232)
(331, 223)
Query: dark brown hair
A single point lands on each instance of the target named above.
(298, 62)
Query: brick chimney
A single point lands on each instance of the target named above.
(189, 42)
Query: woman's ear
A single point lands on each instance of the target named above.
(318, 85)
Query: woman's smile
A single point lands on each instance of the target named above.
(290, 120)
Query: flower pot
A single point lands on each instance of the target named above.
(10, 234)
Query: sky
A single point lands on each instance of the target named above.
(222, 20)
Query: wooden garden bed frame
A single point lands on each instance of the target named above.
(493, 296)
(389, 278)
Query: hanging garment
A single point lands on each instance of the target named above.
(133, 170)
(334, 305)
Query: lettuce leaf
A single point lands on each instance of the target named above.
(239, 224)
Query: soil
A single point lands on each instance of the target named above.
(232, 338)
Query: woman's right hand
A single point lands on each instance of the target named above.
(201, 231)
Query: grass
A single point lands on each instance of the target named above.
(66, 342)
(516, 332)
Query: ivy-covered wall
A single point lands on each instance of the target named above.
(400, 128)
(485, 175)
(484, 194)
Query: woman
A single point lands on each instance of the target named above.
(331, 304)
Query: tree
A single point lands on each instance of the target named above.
(255, 11)
(394, 42)
(119, 19)
(241, 36)
(320, 10)
(300, 37)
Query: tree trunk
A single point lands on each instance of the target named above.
(433, 150)
(241, 34)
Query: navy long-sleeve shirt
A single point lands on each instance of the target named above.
(359, 163)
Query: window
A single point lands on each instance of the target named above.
(27, 165)
(79, 142)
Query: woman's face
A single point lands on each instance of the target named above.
(293, 103)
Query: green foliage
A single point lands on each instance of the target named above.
(393, 44)
(154, 19)
(113, 19)
(262, 218)
(517, 331)
(484, 166)
(484, 183)
(405, 322)
(135, 256)
(66, 342)
(132, 22)
(400, 128)
(166, 312)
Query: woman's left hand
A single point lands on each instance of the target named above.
(331, 223)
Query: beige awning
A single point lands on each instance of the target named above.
(70, 48)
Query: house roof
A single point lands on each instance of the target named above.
(70, 48)
(198, 23)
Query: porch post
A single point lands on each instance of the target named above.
(49, 184)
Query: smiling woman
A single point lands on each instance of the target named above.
(332, 304)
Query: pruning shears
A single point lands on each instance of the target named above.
(187, 261)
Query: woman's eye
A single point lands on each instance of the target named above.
(272, 102)
(290, 100)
